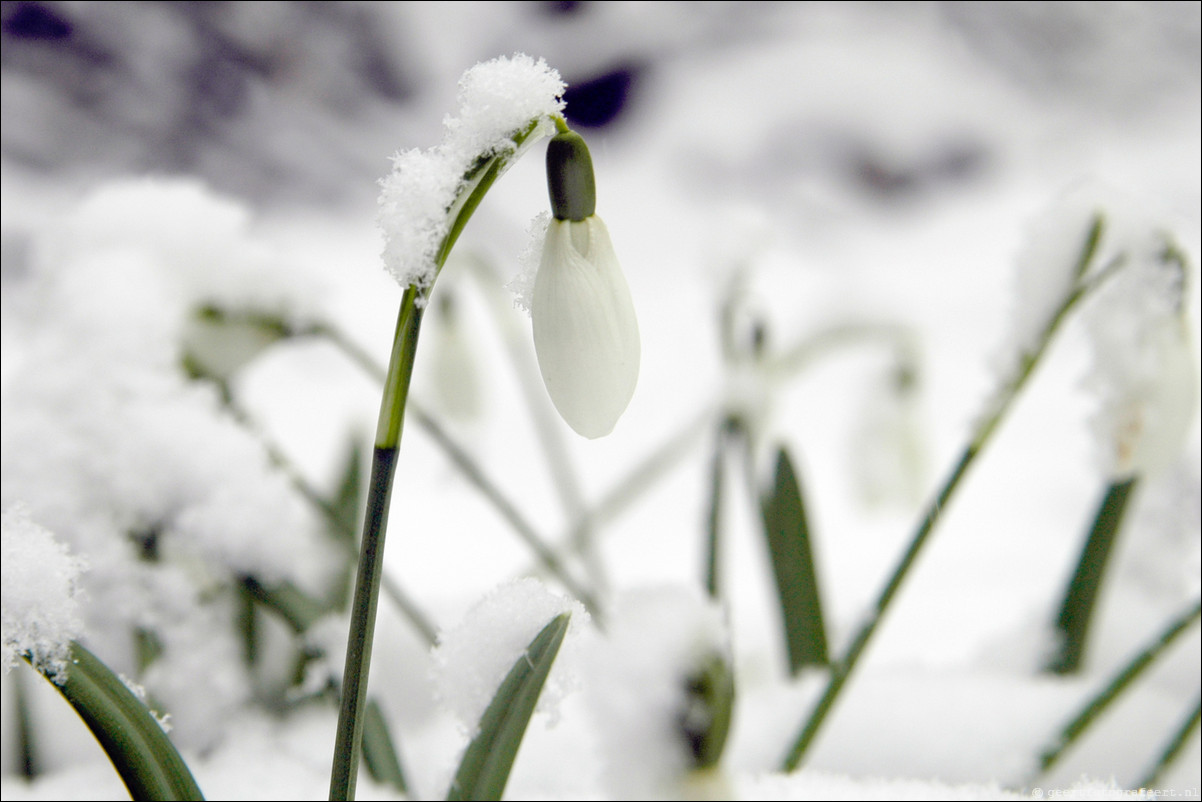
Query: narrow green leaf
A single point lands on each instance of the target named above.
(300, 611)
(248, 626)
(714, 522)
(1121, 681)
(485, 767)
(379, 751)
(139, 749)
(1081, 595)
(788, 536)
(291, 603)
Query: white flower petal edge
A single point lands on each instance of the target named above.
(585, 331)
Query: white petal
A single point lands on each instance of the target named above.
(1149, 427)
(585, 332)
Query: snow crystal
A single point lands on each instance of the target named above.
(499, 97)
(637, 678)
(472, 659)
(41, 608)
(522, 285)
(164, 721)
(496, 99)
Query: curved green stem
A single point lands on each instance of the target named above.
(408, 608)
(349, 737)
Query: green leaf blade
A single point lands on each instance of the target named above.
(484, 769)
(148, 763)
(1081, 595)
(379, 750)
(788, 534)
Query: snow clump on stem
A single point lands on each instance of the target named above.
(40, 604)
(497, 100)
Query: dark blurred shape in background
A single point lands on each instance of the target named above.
(599, 101)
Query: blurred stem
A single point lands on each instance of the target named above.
(1069, 734)
(714, 519)
(27, 744)
(643, 476)
(1173, 748)
(300, 612)
(899, 337)
(475, 474)
(248, 626)
(641, 479)
(349, 737)
(729, 429)
(996, 410)
(408, 608)
(380, 751)
(563, 473)
(545, 554)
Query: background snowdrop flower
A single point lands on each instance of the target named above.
(585, 331)
(1144, 367)
(655, 684)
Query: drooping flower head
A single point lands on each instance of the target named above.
(586, 335)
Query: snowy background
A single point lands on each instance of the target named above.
(852, 163)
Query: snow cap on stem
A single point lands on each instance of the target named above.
(41, 607)
(585, 331)
(497, 100)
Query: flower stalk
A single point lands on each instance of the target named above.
(349, 736)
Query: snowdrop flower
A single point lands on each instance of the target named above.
(585, 332)
(890, 456)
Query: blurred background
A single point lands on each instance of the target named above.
(847, 162)
(303, 102)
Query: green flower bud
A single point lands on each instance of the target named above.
(570, 179)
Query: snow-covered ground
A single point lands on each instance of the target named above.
(880, 165)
